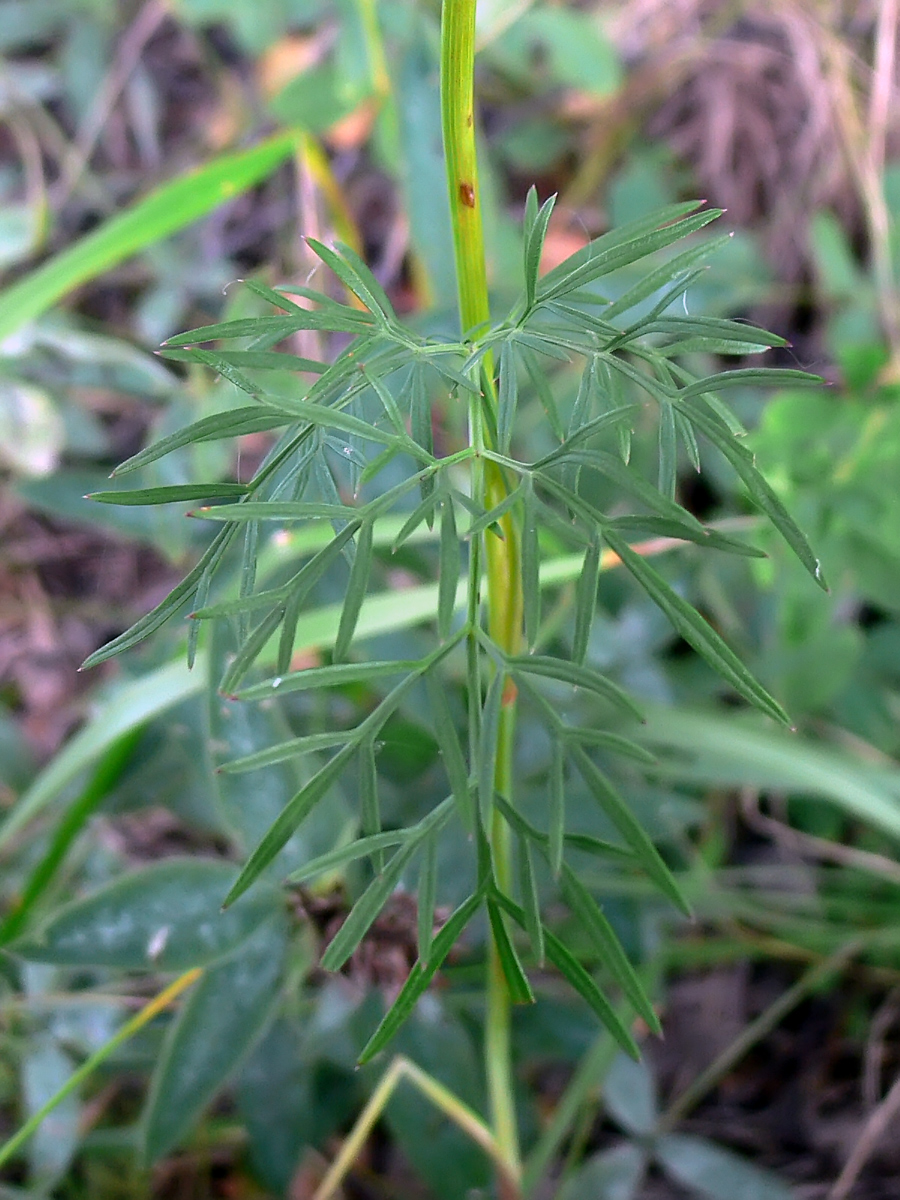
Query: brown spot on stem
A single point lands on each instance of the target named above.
(467, 194)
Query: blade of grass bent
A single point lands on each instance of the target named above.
(168, 209)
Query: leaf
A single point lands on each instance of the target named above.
(679, 264)
(630, 828)
(629, 1096)
(586, 600)
(577, 676)
(642, 526)
(355, 594)
(614, 1174)
(426, 899)
(517, 984)
(171, 495)
(627, 480)
(449, 564)
(424, 511)
(531, 565)
(539, 379)
(377, 894)
(534, 245)
(450, 748)
(337, 675)
(420, 977)
(171, 207)
(607, 741)
(608, 947)
(219, 1023)
(596, 260)
(367, 289)
(297, 810)
(696, 631)
(531, 902)
(249, 651)
(668, 452)
(250, 360)
(165, 917)
(586, 429)
(768, 377)
(236, 422)
(167, 608)
(761, 493)
(369, 811)
(711, 1171)
(507, 396)
(556, 807)
(487, 747)
(569, 966)
(363, 847)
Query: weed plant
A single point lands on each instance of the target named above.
(355, 459)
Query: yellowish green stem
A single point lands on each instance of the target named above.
(87, 1068)
(489, 486)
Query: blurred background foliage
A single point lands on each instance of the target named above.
(782, 1002)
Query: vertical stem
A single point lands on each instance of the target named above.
(489, 486)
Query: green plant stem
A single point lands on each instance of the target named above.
(87, 1068)
(489, 486)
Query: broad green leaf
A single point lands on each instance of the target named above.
(629, 1096)
(586, 600)
(223, 1016)
(171, 495)
(713, 1172)
(167, 608)
(607, 945)
(355, 594)
(449, 564)
(172, 207)
(420, 977)
(517, 984)
(165, 917)
(614, 1174)
(629, 827)
(290, 819)
(576, 676)
(235, 422)
(695, 630)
